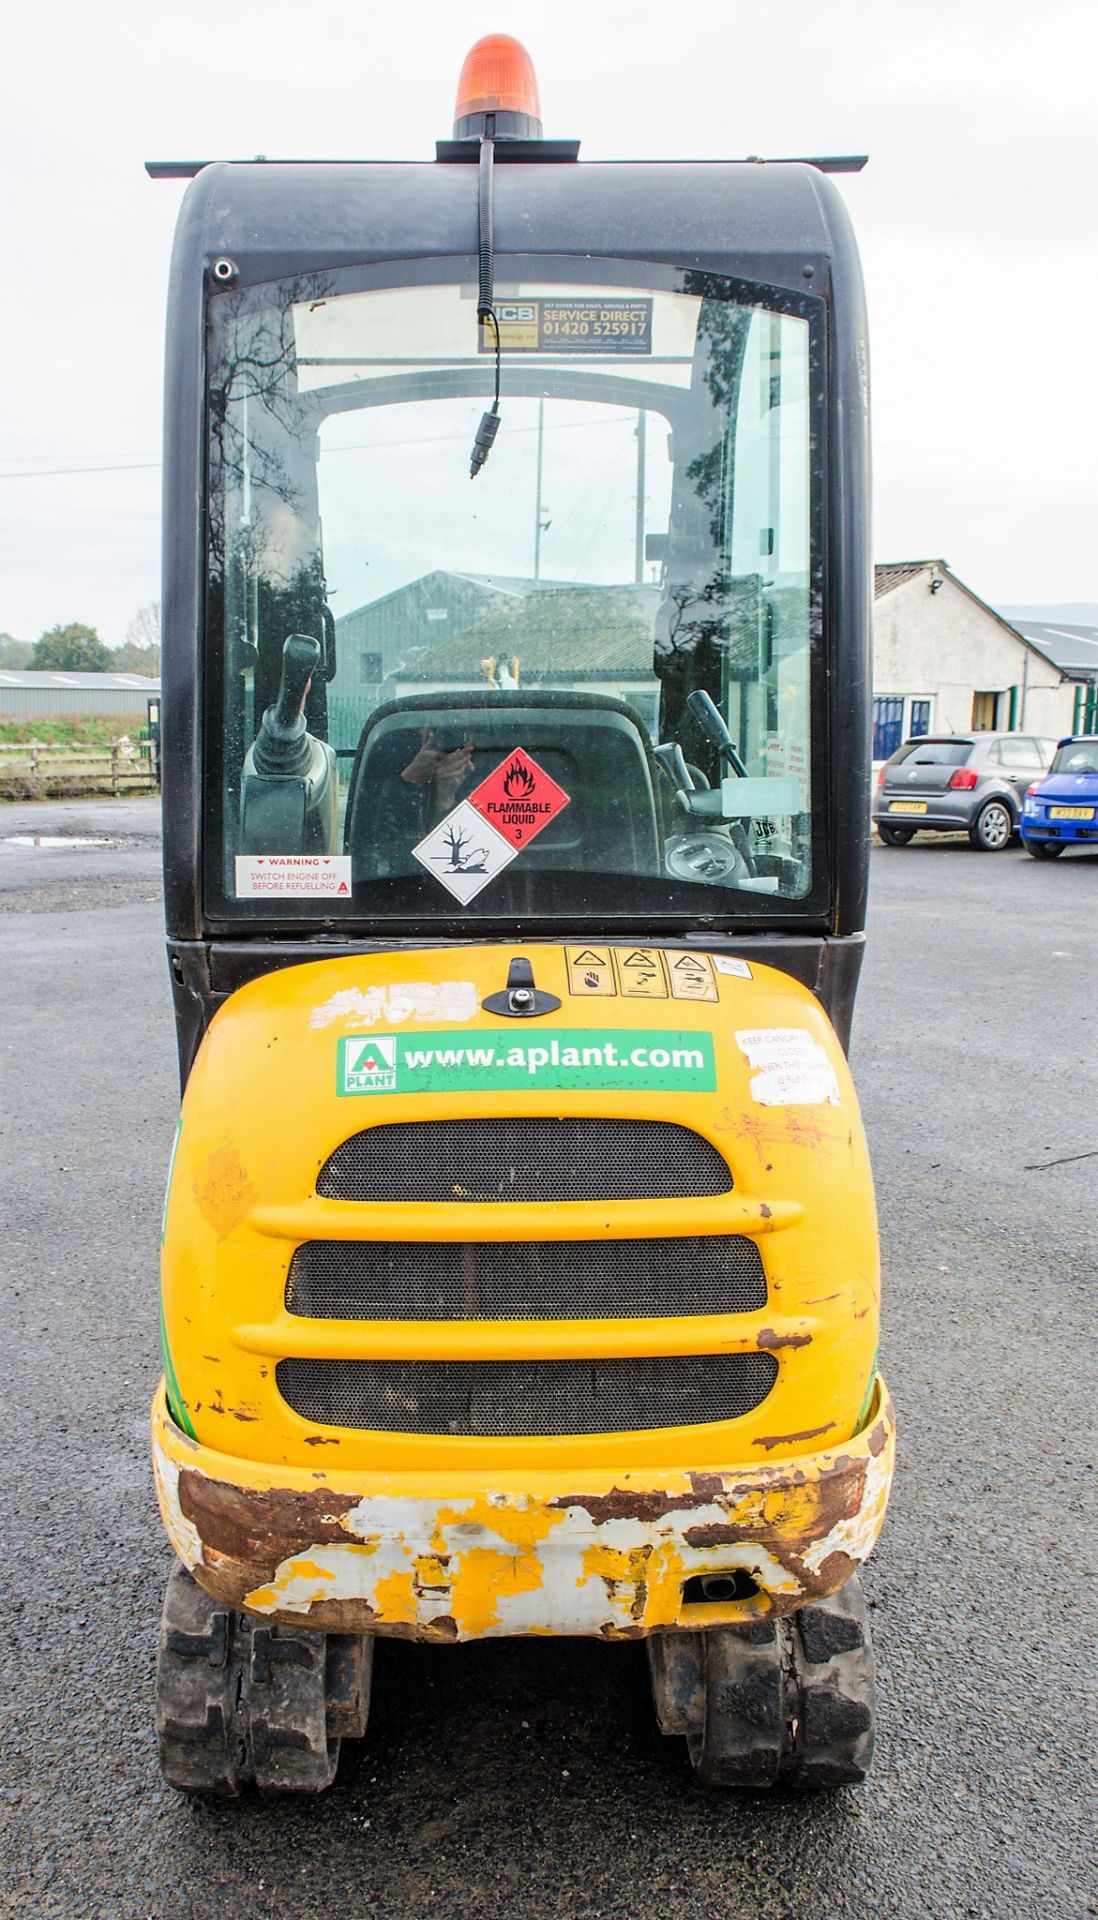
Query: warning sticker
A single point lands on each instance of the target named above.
(727, 963)
(792, 1069)
(299, 874)
(569, 326)
(691, 976)
(640, 973)
(464, 852)
(590, 970)
(518, 799)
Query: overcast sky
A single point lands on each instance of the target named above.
(977, 219)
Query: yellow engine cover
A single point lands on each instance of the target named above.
(300, 1060)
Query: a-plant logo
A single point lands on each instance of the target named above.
(368, 1065)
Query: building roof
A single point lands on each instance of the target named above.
(553, 630)
(890, 574)
(893, 573)
(29, 677)
(1074, 649)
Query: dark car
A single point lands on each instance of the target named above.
(970, 783)
(1062, 809)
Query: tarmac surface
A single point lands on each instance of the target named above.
(528, 1778)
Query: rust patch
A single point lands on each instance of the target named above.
(709, 1485)
(789, 1439)
(622, 1504)
(321, 1440)
(834, 1572)
(765, 1212)
(713, 1536)
(255, 1531)
(224, 1190)
(773, 1341)
(877, 1439)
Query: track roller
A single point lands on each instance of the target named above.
(240, 1703)
(773, 1702)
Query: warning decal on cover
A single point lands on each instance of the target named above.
(518, 799)
(464, 852)
(791, 1069)
(326, 874)
(640, 970)
(691, 976)
(590, 970)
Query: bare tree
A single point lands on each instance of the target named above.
(140, 651)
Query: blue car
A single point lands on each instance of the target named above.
(1061, 810)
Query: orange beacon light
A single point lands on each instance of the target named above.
(497, 85)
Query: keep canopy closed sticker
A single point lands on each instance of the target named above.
(789, 1068)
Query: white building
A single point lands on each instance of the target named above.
(946, 662)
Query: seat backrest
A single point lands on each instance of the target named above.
(594, 746)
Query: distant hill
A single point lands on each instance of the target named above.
(1069, 613)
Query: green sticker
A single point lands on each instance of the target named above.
(586, 1058)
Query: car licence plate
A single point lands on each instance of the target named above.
(907, 806)
(1071, 813)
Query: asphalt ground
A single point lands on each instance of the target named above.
(528, 1778)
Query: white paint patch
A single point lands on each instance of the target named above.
(182, 1532)
(857, 1536)
(54, 840)
(792, 1069)
(411, 1000)
(727, 963)
(327, 875)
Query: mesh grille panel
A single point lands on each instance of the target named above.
(495, 1398)
(530, 1280)
(524, 1159)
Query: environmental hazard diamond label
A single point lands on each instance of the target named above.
(464, 852)
(519, 798)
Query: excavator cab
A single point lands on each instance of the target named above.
(520, 1268)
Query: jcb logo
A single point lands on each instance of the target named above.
(514, 312)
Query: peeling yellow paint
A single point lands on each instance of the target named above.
(394, 1597)
(431, 1571)
(524, 1527)
(485, 1578)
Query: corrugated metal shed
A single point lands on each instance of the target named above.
(25, 693)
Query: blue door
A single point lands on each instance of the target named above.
(888, 726)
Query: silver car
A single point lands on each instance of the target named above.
(970, 783)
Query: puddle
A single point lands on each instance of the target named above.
(55, 840)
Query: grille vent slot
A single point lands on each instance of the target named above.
(521, 1398)
(528, 1280)
(524, 1159)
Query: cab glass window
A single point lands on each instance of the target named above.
(586, 683)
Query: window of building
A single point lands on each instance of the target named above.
(888, 725)
(369, 668)
(919, 722)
